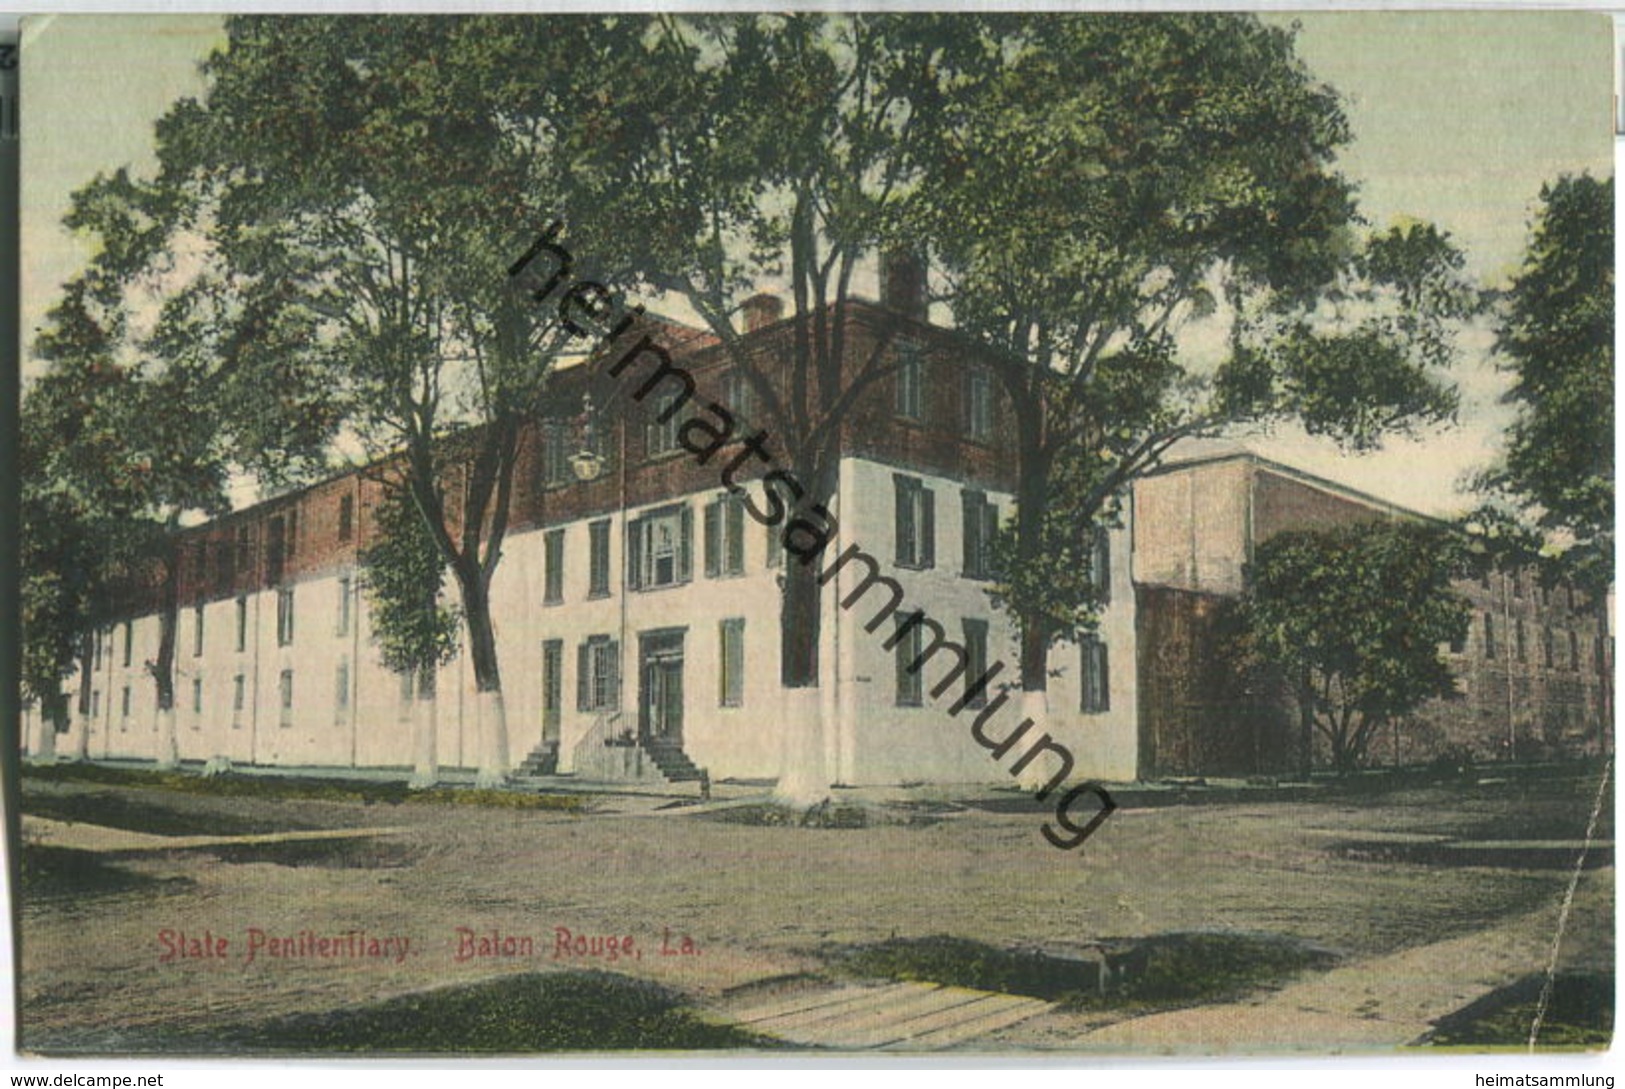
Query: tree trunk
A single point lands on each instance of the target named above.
(804, 777)
(1032, 487)
(482, 651)
(425, 731)
(42, 746)
(1306, 731)
(81, 743)
(163, 670)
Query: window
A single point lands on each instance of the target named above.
(1517, 639)
(275, 550)
(197, 695)
(907, 382)
(731, 678)
(197, 632)
(975, 660)
(293, 532)
(242, 624)
(666, 416)
(129, 640)
(910, 671)
(556, 470)
(981, 523)
(285, 695)
(1574, 651)
(978, 404)
(916, 523)
(659, 551)
(553, 584)
(284, 616)
(1095, 687)
(341, 687)
(1100, 566)
(344, 606)
(225, 567)
(725, 537)
(1546, 652)
(346, 517)
(552, 686)
(738, 397)
(774, 554)
(1489, 636)
(124, 702)
(95, 703)
(237, 697)
(598, 674)
(96, 647)
(598, 558)
(245, 548)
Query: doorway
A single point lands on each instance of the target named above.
(660, 695)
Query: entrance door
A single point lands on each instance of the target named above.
(660, 702)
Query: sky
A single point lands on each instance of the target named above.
(1458, 118)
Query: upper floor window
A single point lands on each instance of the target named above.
(915, 522)
(129, 641)
(1100, 566)
(555, 454)
(981, 523)
(1489, 636)
(659, 548)
(197, 631)
(725, 536)
(284, 616)
(907, 382)
(665, 419)
(738, 397)
(346, 517)
(598, 549)
(553, 578)
(242, 623)
(343, 625)
(978, 404)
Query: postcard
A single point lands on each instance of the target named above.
(806, 534)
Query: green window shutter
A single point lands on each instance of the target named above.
(583, 690)
(928, 527)
(713, 540)
(685, 546)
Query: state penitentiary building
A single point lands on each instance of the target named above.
(637, 612)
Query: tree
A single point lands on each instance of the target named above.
(1353, 618)
(725, 150)
(1557, 337)
(403, 572)
(140, 422)
(370, 178)
(1175, 175)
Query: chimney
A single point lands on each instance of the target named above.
(761, 309)
(902, 283)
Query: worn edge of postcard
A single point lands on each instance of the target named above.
(657, 546)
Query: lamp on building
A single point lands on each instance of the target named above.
(587, 463)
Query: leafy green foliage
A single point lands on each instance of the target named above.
(1557, 335)
(551, 1011)
(402, 574)
(1353, 617)
(1117, 178)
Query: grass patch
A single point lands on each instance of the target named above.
(1579, 1015)
(135, 814)
(1157, 972)
(517, 1014)
(774, 815)
(55, 873)
(279, 787)
(351, 853)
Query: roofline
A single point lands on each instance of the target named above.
(1302, 477)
